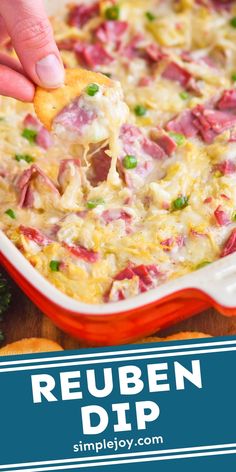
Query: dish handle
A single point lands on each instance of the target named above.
(219, 286)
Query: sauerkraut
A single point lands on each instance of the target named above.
(104, 229)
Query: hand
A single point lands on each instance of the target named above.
(27, 24)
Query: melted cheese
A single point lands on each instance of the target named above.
(111, 113)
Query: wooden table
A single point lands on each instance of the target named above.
(23, 319)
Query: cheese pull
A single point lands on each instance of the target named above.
(30, 346)
(88, 110)
(48, 103)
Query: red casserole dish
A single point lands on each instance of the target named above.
(128, 320)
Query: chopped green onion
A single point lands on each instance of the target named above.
(130, 162)
(112, 13)
(54, 266)
(202, 264)
(11, 213)
(30, 135)
(180, 203)
(233, 77)
(140, 110)
(233, 22)
(177, 137)
(92, 89)
(94, 203)
(150, 16)
(24, 157)
(184, 95)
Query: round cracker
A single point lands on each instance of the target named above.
(48, 103)
(30, 346)
(175, 337)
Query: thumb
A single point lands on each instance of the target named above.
(32, 38)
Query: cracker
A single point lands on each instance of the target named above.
(30, 345)
(48, 103)
(175, 337)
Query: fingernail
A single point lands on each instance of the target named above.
(50, 71)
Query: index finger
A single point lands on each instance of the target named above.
(32, 37)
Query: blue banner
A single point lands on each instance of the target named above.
(168, 407)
